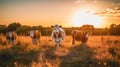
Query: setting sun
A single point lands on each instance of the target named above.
(86, 17)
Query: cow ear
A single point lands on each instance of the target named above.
(52, 26)
(60, 26)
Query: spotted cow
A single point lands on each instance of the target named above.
(58, 35)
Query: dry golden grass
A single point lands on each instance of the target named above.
(99, 51)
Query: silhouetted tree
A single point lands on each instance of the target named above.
(13, 26)
(114, 29)
(3, 29)
(46, 31)
(23, 30)
(88, 28)
(105, 31)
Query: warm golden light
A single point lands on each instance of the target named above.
(86, 17)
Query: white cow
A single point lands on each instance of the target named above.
(58, 35)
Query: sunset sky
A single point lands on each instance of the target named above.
(68, 13)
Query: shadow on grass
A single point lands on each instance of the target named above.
(79, 56)
(16, 55)
(84, 56)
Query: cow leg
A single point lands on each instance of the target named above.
(55, 45)
(73, 42)
(73, 39)
(84, 41)
(59, 44)
(33, 41)
(37, 41)
(7, 43)
(12, 42)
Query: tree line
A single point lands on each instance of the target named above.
(113, 29)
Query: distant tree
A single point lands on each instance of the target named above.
(118, 29)
(3, 29)
(23, 30)
(97, 31)
(88, 28)
(40, 28)
(37, 28)
(68, 31)
(13, 26)
(105, 31)
(114, 29)
(46, 31)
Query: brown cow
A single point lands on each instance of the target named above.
(11, 37)
(35, 35)
(79, 36)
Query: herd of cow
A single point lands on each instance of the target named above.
(58, 35)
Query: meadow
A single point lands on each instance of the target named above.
(100, 51)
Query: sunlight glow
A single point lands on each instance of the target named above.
(83, 17)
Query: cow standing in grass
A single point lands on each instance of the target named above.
(58, 34)
(79, 36)
(35, 35)
(11, 37)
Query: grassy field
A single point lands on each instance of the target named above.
(100, 51)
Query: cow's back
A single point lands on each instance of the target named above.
(79, 35)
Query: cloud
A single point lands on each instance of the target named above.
(110, 12)
(84, 1)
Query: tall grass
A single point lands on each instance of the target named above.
(98, 52)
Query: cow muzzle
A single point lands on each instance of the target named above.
(57, 41)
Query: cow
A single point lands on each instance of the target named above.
(58, 35)
(35, 35)
(79, 36)
(11, 37)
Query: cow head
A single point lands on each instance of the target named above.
(56, 30)
(31, 33)
(10, 34)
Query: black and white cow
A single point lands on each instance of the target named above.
(35, 35)
(58, 35)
